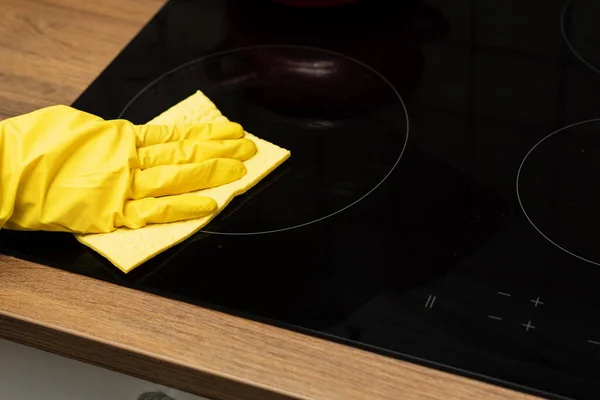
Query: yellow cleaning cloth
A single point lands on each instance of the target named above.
(127, 248)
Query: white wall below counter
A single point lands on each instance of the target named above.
(31, 374)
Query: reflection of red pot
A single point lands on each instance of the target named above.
(385, 35)
(304, 81)
(313, 3)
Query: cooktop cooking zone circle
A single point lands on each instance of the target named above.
(344, 123)
(580, 28)
(558, 188)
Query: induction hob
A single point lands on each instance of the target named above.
(448, 216)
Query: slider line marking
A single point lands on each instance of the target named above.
(504, 294)
(428, 300)
(494, 317)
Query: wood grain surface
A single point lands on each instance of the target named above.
(202, 351)
(50, 51)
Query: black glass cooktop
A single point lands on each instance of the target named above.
(442, 201)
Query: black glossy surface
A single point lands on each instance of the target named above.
(439, 264)
(345, 141)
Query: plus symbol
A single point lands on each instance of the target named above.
(528, 326)
(537, 302)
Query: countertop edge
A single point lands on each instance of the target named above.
(202, 351)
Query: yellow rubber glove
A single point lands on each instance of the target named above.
(66, 170)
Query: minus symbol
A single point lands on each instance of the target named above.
(494, 317)
(504, 294)
(594, 342)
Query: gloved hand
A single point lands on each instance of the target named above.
(66, 170)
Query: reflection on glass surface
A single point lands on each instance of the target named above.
(345, 139)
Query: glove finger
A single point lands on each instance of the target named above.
(167, 180)
(139, 213)
(190, 151)
(150, 135)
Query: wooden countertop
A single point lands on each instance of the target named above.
(51, 50)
